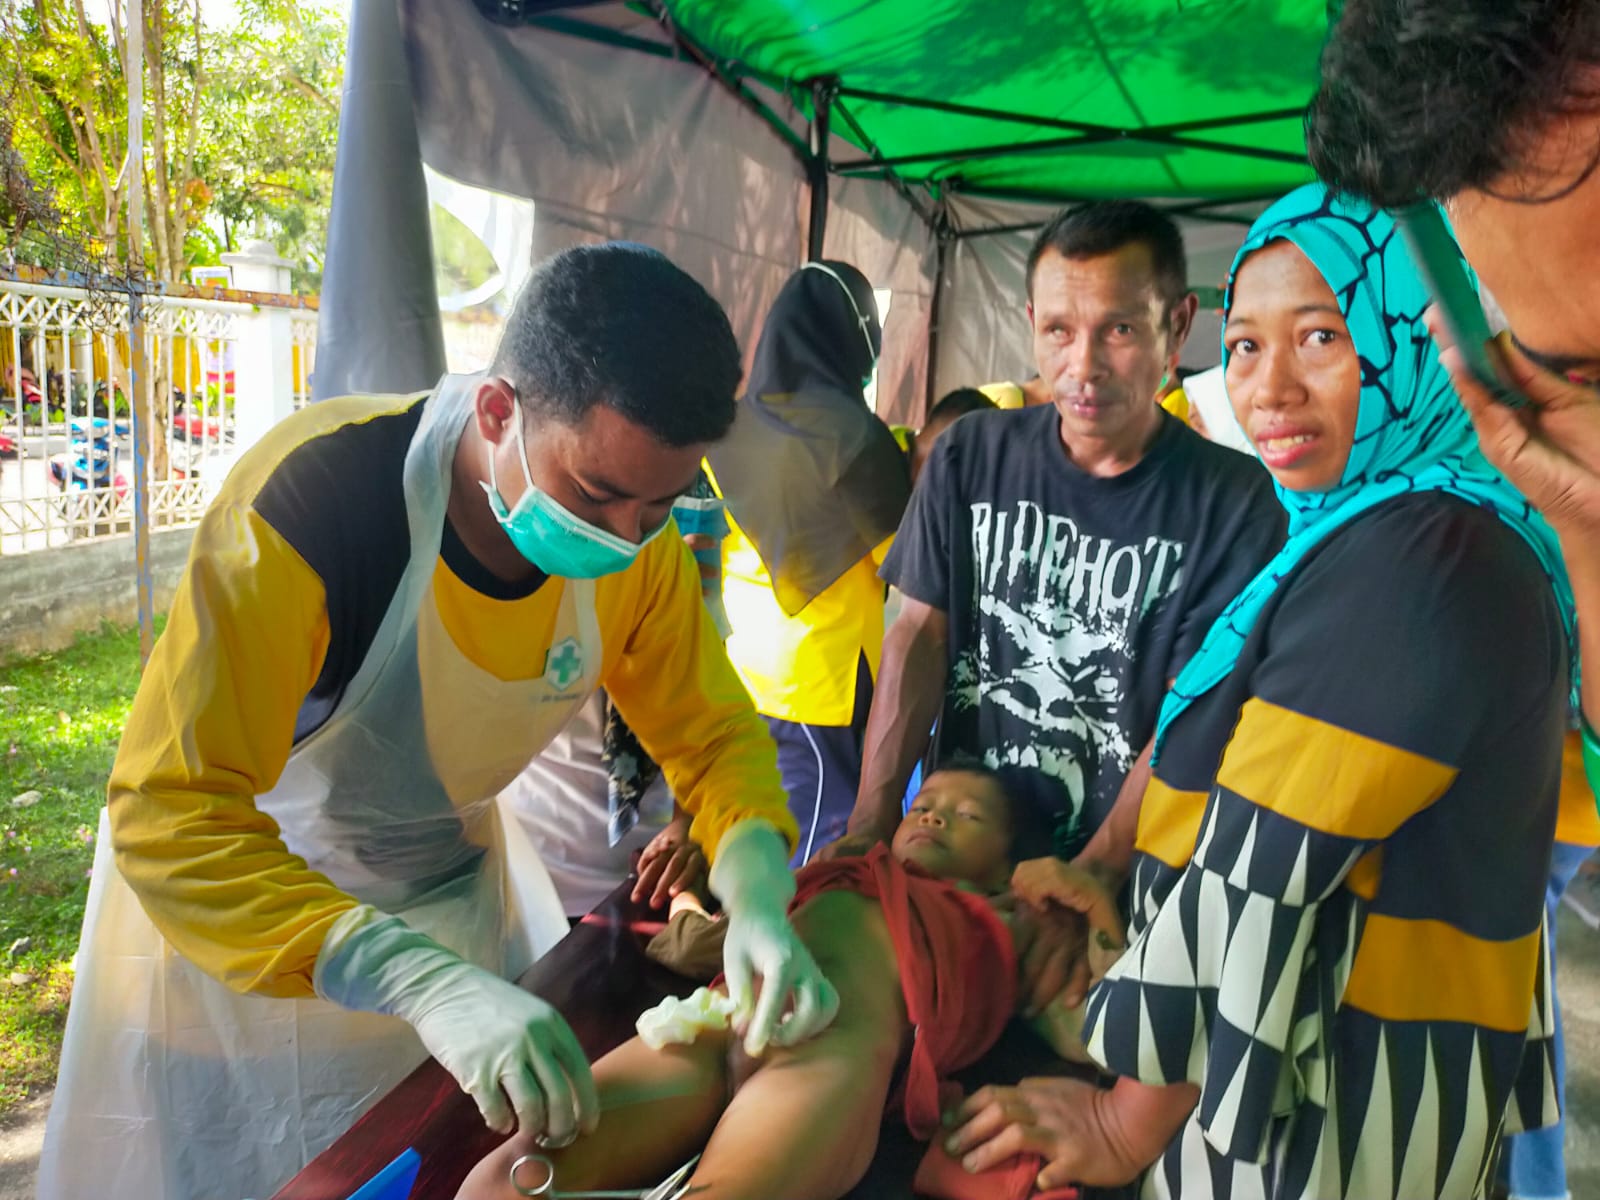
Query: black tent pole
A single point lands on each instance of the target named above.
(822, 93)
(944, 237)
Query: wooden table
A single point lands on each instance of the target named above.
(600, 980)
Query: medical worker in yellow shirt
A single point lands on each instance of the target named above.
(395, 603)
(815, 485)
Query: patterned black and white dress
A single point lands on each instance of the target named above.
(1337, 927)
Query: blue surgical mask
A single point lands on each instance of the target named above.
(553, 539)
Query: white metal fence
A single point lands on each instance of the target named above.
(66, 439)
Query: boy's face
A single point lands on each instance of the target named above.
(958, 828)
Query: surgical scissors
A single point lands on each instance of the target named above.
(672, 1187)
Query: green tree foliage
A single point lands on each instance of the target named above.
(274, 113)
(240, 124)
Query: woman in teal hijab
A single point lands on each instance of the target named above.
(1336, 986)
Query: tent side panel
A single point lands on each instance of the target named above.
(378, 326)
(610, 143)
(872, 226)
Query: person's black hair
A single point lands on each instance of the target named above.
(955, 404)
(1433, 97)
(971, 764)
(618, 324)
(1103, 226)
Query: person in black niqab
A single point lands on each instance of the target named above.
(817, 484)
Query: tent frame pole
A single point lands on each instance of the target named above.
(823, 91)
(1062, 123)
(943, 237)
(1200, 210)
(1047, 145)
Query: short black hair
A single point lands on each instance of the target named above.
(1102, 226)
(970, 764)
(618, 324)
(955, 404)
(1427, 98)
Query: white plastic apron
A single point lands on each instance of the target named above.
(174, 1087)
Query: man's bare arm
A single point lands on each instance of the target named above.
(1109, 853)
(1550, 449)
(1582, 552)
(905, 704)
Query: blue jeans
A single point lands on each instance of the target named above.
(1533, 1165)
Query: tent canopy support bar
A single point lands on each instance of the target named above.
(918, 204)
(1048, 145)
(718, 71)
(1199, 210)
(1069, 126)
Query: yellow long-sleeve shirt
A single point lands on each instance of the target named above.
(290, 574)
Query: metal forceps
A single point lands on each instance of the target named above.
(672, 1187)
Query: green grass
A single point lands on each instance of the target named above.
(61, 715)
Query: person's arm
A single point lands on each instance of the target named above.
(1583, 569)
(910, 688)
(1550, 449)
(1056, 967)
(1109, 853)
(210, 729)
(1239, 553)
(678, 692)
(905, 703)
(671, 863)
(1333, 753)
(1102, 1137)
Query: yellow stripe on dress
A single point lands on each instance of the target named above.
(1367, 873)
(1327, 778)
(1421, 970)
(1169, 823)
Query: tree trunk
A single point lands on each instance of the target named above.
(169, 259)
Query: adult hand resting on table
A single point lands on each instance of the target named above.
(508, 1049)
(670, 864)
(751, 877)
(1061, 907)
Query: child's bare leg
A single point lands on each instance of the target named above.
(656, 1109)
(804, 1124)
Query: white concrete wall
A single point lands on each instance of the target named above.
(48, 597)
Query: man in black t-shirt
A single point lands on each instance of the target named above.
(1061, 563)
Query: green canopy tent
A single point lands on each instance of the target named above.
(1041, 100)
(924, 139)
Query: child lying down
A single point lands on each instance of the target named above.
(926, 973)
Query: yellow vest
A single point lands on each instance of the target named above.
(1005, 395)
(1177, 404)
(801, 668)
